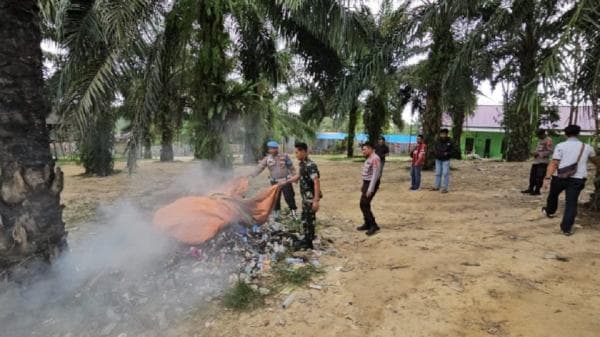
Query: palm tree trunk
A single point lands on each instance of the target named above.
(352, 119)
(518, 119)
(595, 197)
(374, 116)
(209, 87)
(31, 224)
(458, 121)
(166, 128)
(212, 146)
(432, 122)
(253, 131)
(166, 143)
(147, 144)
(96, 147)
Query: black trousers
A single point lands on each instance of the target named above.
(365, 203)
(572, 188)
(536, 177)
(288, 193)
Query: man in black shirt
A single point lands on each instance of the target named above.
(382, 150)
(443, 151)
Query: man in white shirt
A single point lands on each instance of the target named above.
(567, 153)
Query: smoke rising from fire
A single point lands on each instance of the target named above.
(121, 276)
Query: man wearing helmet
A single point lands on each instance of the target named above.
(281, 168)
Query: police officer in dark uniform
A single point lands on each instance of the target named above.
(310, 190)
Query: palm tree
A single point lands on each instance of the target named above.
(31, 215)
(519, 35)
(372, 67)
(579, 38)
(582, 25)
(446, 81)
(103, 39)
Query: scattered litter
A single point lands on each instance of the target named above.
(403, 266)
(344, 269)
(554, 256)
(294, 260)
(315, 286)
(288, 301)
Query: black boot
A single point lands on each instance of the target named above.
(373, 230)
(303, 244)
(307, 242)
(362, 228)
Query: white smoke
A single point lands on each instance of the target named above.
(123, 278)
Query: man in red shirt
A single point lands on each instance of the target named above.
(418, 159)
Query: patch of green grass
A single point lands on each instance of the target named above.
(292, 225)
(297, 276)
(242, 297)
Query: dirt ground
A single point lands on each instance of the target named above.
(479, 261)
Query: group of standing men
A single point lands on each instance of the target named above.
(373, 169)
(567, 171)
(283, 173)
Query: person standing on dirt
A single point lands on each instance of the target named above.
(310, 190)
(371, 172)
(443, 152)
(541, 158)
(281, 168)
(570, 164)
(382, 150)
(418, 160)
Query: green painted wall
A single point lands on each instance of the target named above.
(479, 143)
(495, 139)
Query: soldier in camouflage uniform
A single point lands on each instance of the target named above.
(280, 168)
(310, 189)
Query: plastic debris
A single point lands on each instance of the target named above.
(288, 301)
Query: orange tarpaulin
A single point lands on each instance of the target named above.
(196, 219)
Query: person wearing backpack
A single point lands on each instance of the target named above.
(569, 162)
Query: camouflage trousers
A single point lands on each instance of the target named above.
(308, 220)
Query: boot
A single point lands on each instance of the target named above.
(363, 227)
(276, 215)
(307, 241)
(294, 215)
(303, 244)
(372, 231)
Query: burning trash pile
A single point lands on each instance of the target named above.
(130, 281)
(223, 224)
(223, 219)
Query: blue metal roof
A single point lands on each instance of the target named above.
(332, 135)
(362, 137)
